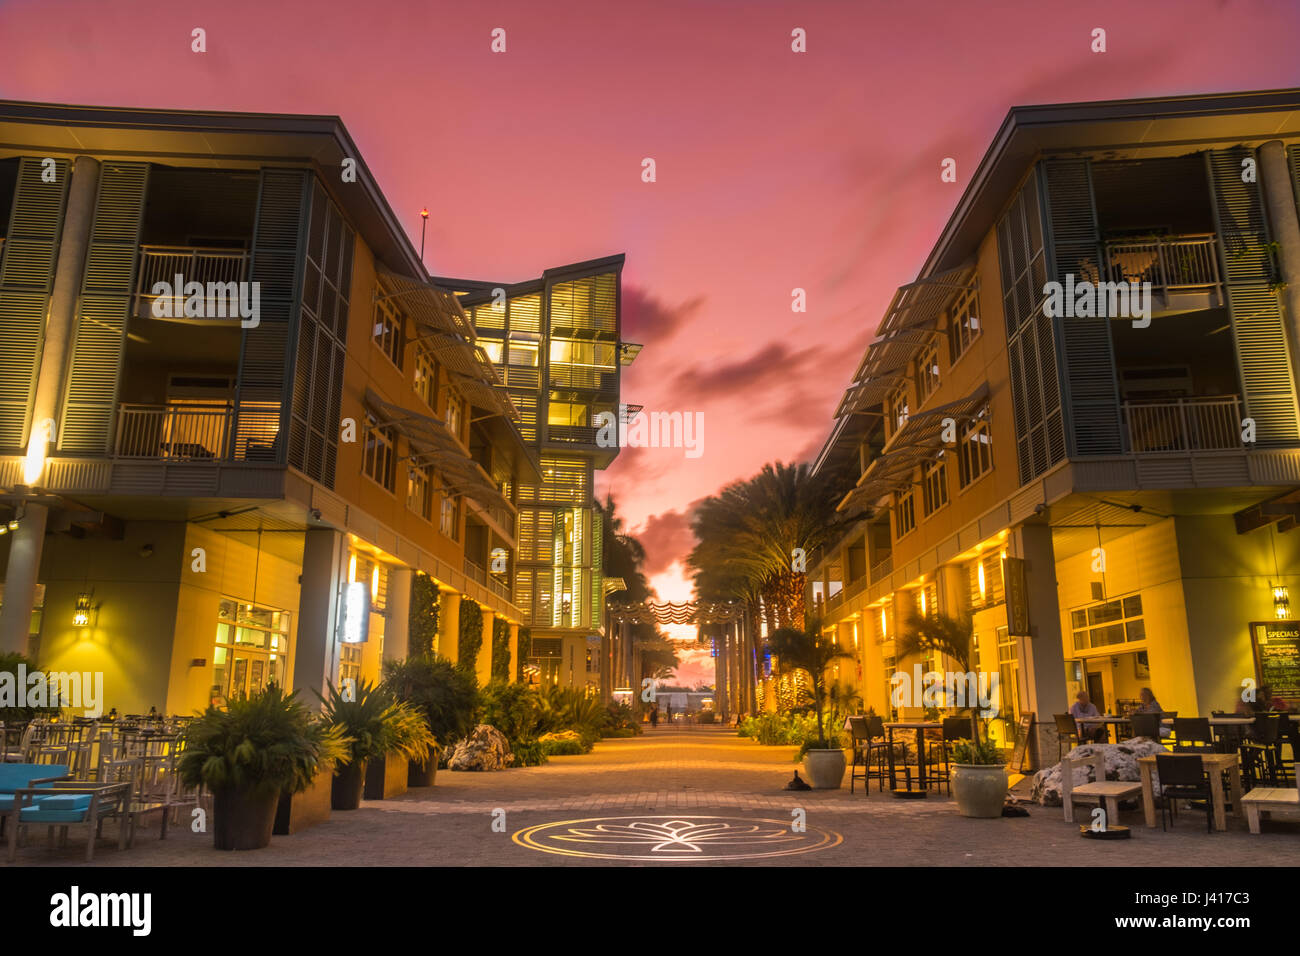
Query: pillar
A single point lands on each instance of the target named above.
(514, 652)
(397, 623)
(324, 554)
(27, 542)
(1042, 655)
(1280, 201)
(483, 667)
(449, 625)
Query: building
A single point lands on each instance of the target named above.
(1108, 496)
(556, 343)
(252, 479)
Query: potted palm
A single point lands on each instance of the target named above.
(445, 694)
(249, 753)
(376, 726)
(808, 651)
(979, 778)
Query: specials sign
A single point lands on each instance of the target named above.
(1276, 645)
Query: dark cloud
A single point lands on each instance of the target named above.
(646, 319)
(772, 367)
(666, 538)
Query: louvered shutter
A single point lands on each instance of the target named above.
(107, 296)
(597, 576)
(1263, 353)
(266, 364)
(1293, 163)
(1087, 356)
(27, 262)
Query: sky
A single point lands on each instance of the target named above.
(774, 170)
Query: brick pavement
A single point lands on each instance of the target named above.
(707, 778)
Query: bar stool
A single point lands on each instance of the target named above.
(1066, 729)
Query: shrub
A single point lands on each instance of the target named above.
(564, 743)
(376, 725)
(9, 664)
(470, 640)
(426, 603)
(444, 693)
(620, 721)
(500, 649)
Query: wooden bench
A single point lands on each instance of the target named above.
(1267, 799)
(1105, 792)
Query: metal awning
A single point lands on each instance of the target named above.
(430, 307)
(919, 440)
(434, 445)
(918, 304)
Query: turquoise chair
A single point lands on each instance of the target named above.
(63, 803)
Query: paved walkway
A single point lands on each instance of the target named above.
(678, 795)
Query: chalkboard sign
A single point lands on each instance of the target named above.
(1022, 743)
(1277, 657)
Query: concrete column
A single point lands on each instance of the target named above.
(1042, 656)
(514, 652)
(27, 542)
(483, 668)
(449, 625)
(315, 661)
(1280, 200)
(397, 625)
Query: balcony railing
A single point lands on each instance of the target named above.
(196, 432)
(1174, 263)
(583, 377)
(1185, 424)
(575, 433)
(881, 569)
(475, 572)
(200, 264)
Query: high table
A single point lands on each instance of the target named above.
(1214, 764)
(920, 726)
(1108, 720)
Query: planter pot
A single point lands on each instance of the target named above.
(979, 789)
(298, 811)
(348, 783)
(243, 819)
(825, 768)
(422, 772)
(386, 777)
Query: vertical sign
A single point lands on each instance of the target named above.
(356, 613)
(1017, 596)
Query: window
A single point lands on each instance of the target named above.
(974, 449)
(927, 374)
(904, 513)
(426, 379)
(350, 664)
(419, 493)
(449, 517)
(252, 649)
(963, 325)
(389, 334)
(455, 413)
(934, 487)
(986, 588)
(898, 411)
(1112, 622)
(1008, 676)
(379, 458)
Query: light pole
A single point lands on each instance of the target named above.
(424, 223)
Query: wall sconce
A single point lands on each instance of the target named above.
(1281, 602)
(83, 608)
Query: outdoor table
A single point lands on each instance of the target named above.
(1108, 720)
(920, 726)
(1214, 764)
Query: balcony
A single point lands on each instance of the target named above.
(1183, 270)
(476, 572)
(587, 378)
(202, 264)
(1183, 425)
(881, 569)
(199, 432)
(583, 434)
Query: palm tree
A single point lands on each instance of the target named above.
(807, 650)
(953, 636)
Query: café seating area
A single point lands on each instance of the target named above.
(59, 773)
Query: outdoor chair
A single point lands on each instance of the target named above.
(64, 803)
(144, 798)
(1145, 725)
(1261, 751)
(1228, 739)
(1183, 777)
(1192, 734)
(21, 776)
(868, 736)
(954, 729)
(1067, 731)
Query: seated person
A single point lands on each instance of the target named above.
(1152, 706)
(1083, 707)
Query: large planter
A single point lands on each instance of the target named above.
(298, 811)
(386, 777)
(979, 789)
(348, 783)
(421, 773)
(825, 768)
(243, 819)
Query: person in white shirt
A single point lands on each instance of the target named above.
(1083, 707)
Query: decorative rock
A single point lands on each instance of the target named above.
(1121, 764)
(485, 749)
